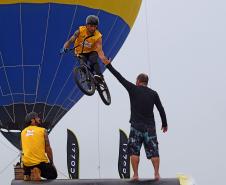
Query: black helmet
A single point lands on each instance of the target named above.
(92, 20)
(30, 116)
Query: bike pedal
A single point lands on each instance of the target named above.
(98, 78)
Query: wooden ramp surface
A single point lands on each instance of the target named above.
(170, 181)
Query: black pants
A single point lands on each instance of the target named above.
(48, 171)
(92, 57)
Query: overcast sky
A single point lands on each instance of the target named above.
(181, 44)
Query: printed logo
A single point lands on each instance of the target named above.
(87, 44)
(30, 133)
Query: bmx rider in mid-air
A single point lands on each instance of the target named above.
(88, 45)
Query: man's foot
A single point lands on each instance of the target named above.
(27, 178)
(135, 178)
(157, 176)
(35, 174)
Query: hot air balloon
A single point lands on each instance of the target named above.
(33, 77)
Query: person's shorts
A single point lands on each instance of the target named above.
(148, 138)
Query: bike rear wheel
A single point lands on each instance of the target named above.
(104, 93)
(84, 80)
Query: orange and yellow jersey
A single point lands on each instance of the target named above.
(33, 146)
(89, 43)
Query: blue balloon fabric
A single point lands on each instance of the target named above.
(33, 76)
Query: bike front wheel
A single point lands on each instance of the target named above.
(84, 80)
(104, 93)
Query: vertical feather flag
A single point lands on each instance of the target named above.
(123, 159)
(72, 155)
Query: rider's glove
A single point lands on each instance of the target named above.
(63, 50)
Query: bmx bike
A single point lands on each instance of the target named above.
(88, 82)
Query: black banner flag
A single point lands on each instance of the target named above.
(123, 159)
(72, 155)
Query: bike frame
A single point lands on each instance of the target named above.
(100, 87)
(79, 56)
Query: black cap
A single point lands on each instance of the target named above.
(30, 116)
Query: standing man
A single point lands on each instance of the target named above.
(87, 42)
(37, 157)
(143, 130)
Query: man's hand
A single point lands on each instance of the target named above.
(63, 50)
(106, 61)
(164, 129)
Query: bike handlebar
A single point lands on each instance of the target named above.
(65, 50)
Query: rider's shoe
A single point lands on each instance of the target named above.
(98, 78)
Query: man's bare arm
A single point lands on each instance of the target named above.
(48, 148)
(71, 40)
(98, 48)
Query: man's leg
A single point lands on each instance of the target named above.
(48, 171)
(82, 59)
(27, 173)
(151, 150)
(32, 173)
(155, 161)
(93, 58)
(134, 146)
(135, 163)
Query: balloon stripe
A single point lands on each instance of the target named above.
(117, 7)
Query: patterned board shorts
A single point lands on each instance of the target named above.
(148, 138)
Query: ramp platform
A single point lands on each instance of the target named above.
(170, 181)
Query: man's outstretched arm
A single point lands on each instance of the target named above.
(128, 85)
(99, 50)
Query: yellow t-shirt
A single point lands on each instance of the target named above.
(33, 146)
(89, 44)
